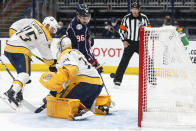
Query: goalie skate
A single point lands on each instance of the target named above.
(83, 114)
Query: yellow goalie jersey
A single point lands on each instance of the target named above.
(33, 35)
(77, 67)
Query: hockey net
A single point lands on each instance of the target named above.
(167, 92)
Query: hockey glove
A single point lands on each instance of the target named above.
(52, 67)
(94, 62)
(55, 61)
(97, 65)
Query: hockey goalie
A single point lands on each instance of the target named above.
(75, 87)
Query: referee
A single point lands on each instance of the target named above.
(129, 33)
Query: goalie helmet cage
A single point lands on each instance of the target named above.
(166, 80)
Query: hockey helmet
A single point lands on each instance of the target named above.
(83, 10)
(52, 22)
(135, 5)
(64, 43)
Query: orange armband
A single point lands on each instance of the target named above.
(122, 27)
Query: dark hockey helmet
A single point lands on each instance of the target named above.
(135, 5)
(83, 10)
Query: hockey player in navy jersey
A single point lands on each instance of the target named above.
(81, 36)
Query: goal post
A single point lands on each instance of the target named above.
(141, 79)
(167, 80)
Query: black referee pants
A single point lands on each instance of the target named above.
(127, 54)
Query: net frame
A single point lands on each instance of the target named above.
(143, 81)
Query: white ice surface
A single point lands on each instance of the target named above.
(123, 118)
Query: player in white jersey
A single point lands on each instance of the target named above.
(18, 51)
(76, 77)
(19, 25)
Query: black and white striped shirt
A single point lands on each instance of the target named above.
(132, 25)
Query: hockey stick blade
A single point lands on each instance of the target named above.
(112, 75)
(25, 103)
(28, 105)
(6, 101)
(40, 109)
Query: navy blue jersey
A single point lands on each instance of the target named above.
(80, 36)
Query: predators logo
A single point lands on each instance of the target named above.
(47, 77)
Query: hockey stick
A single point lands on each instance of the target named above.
(28, 105)
(113, 103)
(42, 107)
(7, 69)
(38, 57)
(103, 81)
(104, 84)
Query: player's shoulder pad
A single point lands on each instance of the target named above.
(46, 32)
(67, 51)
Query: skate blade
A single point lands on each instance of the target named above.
(84, 116)
(4, 98)
(116, 87)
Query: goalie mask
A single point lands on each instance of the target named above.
(63, 44)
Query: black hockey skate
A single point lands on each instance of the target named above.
(9, 99)
(19, 97)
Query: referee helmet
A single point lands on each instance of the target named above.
(135, 5)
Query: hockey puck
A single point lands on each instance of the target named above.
(28, 82)
(112, 75)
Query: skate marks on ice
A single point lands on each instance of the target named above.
(121, 119)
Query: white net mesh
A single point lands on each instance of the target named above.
(169, 93)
